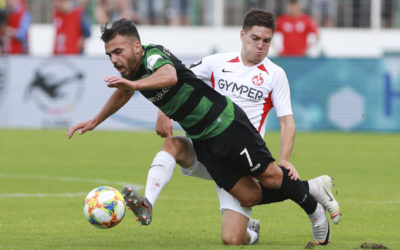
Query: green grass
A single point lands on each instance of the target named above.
(186, 216)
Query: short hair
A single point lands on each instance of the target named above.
(257, 17)
(123, 27)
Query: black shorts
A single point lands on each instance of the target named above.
(237, 152)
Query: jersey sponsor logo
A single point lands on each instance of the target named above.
(257, 80)
(241, 90)
(159, 95)
(151, 61)
(226, 71)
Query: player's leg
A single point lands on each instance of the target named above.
(174, 149)
(236, 228)
(278, 178)
(248, 155)
(314, 210)
(296, 191)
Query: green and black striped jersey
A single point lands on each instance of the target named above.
(201, 111)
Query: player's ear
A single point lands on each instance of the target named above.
(137, 45)
(242, 33)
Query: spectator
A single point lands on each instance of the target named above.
(3, 22)
(177, 13)
(102, 10)
(72, 28)
(150, 11)
(15, 39)
(389, 9)
(87, 8)
(324, 12)
(295, 27)
(111, 11)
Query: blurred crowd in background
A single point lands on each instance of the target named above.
(73, 19)
(331, 13)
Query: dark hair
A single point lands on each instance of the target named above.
(257, 17)
(123, 27)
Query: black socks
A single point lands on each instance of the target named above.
(290, 189)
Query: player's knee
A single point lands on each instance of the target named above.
(180, 148)
(272, 177)
(271, 182)
(251, 199)
(247, 192)
(172, 145)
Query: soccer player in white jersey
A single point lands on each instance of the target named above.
(256, 84)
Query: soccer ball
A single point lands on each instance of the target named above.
(104, 207)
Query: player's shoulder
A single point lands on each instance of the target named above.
(152, 48)
(273, 67)
(219, 59)
(222, 57)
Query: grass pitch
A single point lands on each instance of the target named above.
(44, 178)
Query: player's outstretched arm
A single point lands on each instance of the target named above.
(163, 77)
(83, 127)
(118, 99)
(164, 126)
(288, 134)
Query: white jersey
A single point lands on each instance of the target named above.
(255, 89)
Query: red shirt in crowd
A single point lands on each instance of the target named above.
(295, 31)
(18, 19)
(69, 34)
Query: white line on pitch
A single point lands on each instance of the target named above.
(65, 178)
(23, 195)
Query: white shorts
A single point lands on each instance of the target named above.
(226, 200)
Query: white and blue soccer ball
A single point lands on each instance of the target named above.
(104, 207)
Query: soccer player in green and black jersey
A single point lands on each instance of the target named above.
(224, 140)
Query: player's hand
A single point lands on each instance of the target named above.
(83, 126)
(120, 83)
(164, 126)
(293, 174)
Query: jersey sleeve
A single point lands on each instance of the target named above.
(278, 27)
(281, 95)
(312, 26)
(203, 69)
(155, 58)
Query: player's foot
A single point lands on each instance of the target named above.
(320, 226)
(254, 225)
(139, 205)
(321, 190)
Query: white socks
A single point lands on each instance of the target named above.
(159, 174)
(253, 236)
